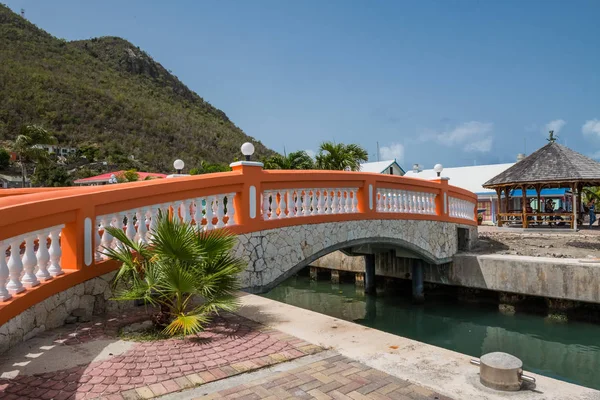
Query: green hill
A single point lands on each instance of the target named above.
(107, 92)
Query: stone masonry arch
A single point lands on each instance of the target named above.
(274, 255)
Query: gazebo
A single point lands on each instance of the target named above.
(552, 166)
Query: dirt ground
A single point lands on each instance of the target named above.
(583, 244)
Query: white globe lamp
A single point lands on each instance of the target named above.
(178, 165)
(247, 150)
(438, 168)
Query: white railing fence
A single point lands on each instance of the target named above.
(405, 201)
(205, 213)
(459, 208)
(303, 202)
(28, 259)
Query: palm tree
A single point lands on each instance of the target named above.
(295, 160)
(28, 147)
(339, 156)
(179, 267)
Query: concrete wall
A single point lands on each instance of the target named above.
(557, 278)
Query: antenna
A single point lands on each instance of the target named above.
(378, 151)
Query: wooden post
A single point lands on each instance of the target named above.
(524, 204)
(538, 189)
(499, 211)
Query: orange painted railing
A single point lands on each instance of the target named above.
(248, 199)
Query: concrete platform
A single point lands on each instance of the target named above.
(439, 370)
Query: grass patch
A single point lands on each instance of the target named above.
(146, 335)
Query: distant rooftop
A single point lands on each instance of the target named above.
(104, 178)
(378, 166)
(469, 178)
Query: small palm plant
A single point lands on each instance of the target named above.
(188, 276)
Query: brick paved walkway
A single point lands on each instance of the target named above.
(228, 347)
(336, 377)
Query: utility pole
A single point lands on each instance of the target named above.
(378, 151)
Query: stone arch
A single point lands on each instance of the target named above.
(276, 254)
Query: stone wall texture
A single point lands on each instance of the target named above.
(92, 296)
(274, 255)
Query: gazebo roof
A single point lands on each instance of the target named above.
(553, 164)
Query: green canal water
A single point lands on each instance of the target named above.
(566, 351)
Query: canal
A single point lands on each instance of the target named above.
(566, 351)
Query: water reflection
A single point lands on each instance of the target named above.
(570, 352)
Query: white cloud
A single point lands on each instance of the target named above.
(311, 153)
(473, 136)
(591, 127)
(481, 146)
(555, 125)
(464, 132)
(393, 151)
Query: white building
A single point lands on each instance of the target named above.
(58, 150)
(389, 167)
(471, 179)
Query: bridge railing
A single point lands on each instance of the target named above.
(52, 240)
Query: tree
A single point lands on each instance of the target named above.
(4, 159)
(130, 175)
(51, 175)
(208, 168)
(179, 266)
(339, 156)
(28, 147)
(295, 160)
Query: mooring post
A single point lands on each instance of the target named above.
(314, 273)
(417, 281)
(370, 274)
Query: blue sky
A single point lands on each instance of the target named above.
(455, 82)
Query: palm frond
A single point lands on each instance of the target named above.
(186, 324)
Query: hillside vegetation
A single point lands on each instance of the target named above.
(108, 93)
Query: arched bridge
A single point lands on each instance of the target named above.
(284, 220)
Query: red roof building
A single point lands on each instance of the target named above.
(104, 178)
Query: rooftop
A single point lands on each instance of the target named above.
(552, 164)
(104, 178)
(469, 178)
(378, 166)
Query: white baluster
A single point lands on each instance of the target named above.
(401, 202)
(29, 279)
(230, 210)
(177, 211)
(130, 227)
(210, 212)
(142, 230)
(334, 200)
(97, 240)
(342, 200)
(298, 212)
(305, 195)
(107, 238)
(347, 201)
(153, 220)
(15, 266)
(220, 212)
(378, 200)
(314, 202)
(55, 252)
(355, 200)
(117, 223)
(291, 203)
(329, 202)
(4, 273)
(43, 257)
(184, 211)
(266, 205)
(282, 204)
(198, 213)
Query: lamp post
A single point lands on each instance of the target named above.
(178, 165)
(438, 168)
(247, 150)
